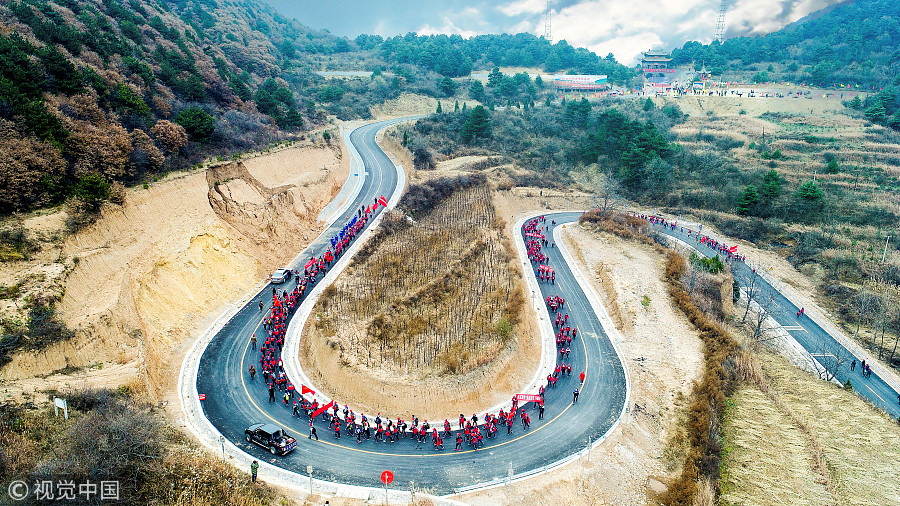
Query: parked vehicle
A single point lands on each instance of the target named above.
(281, 276)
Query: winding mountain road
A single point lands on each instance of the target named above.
(831, 353)
(233, 401)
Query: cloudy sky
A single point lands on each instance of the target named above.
(622, 27)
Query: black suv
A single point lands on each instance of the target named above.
(271, 437)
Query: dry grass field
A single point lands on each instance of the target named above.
(433, 297)
(806, 441)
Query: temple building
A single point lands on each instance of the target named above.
(655, 68)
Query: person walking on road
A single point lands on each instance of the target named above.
(575, 396)
(853, 365)
(312, 431)
(253, 341)
(252, 372)
(271, 392)
(541, 411)
(581, 376)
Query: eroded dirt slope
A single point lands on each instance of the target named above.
(153, 273)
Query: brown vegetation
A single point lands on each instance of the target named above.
(701, 464)
(428, 295)
(112, 436)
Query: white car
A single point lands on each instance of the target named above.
(280, 276)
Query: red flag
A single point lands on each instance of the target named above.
(732, 249)
(382, 201)
(321, 410)
(306, 390)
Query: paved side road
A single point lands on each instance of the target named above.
(234, 402)
(806, 331)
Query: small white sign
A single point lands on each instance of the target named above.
(59, 403)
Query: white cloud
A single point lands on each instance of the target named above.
(448, 28)
(520, 7)
(627, 49)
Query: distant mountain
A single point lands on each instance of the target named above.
(99, 93)
(454, 56)
(850, 43)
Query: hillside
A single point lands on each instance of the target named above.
(97, 92)
(852, 43)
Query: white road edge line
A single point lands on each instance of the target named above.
(836, 334)
(209, 436)
(612, 333)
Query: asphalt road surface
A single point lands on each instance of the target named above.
(819, 343)
(233, 401)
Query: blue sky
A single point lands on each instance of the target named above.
(624, 27)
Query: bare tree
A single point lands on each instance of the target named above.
(605, 186)
(751, 291)
(866, 305)
(828, 362)
(761, 313)
(895, 326)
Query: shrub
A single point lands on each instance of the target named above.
(199, 124)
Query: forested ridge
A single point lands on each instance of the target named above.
(454, 56)
(99, 92)
(95, 94)
(852, 43)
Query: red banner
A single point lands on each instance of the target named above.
(529, 398)
(321, 410)
(306, 390)
(382, 201)
(309, 264)
(732, 249)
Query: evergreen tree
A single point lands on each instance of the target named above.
(447, 86)
(748, 200)
(810, 192)
(648, 104)
(197, 123)
(495, 77)
(876, 112)
(477, 125)
(771, 187)
(456, 106)
(476, 91)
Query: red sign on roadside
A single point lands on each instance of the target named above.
(387, 477)
(202, 397)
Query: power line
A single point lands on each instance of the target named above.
(547, 35)
(720, 23)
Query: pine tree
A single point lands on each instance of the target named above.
(748, 200)
(810, 192)
(456, 107)
(439, 110)
(477, 125)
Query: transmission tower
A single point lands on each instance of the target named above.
(547, 35)
(720, 23)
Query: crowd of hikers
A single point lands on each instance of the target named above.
(470, 431)
(729, 253)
